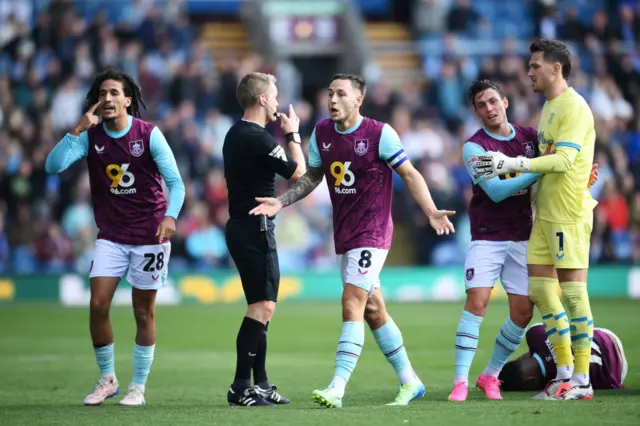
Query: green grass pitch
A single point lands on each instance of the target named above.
(47, 367)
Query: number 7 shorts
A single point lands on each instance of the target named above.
(145, 267)
(361, 267)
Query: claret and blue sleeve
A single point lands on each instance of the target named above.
(497, 189)
(166, 162)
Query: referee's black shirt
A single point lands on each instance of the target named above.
(252, 157)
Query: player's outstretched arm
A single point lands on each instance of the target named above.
(168, 168)
(496, 163)
(303, 187)
(420, 192)
(300, 189)
(573, 127)
(74, 145)
(497, 189)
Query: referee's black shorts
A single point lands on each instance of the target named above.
(254, 253)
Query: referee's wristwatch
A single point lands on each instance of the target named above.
(293, 137)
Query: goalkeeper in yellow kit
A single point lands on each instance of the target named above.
(558, 249)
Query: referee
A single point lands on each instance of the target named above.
(252, 157)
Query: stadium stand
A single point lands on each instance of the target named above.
(426, 58)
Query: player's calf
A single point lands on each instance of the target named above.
(543, 293)
(107, 386)
(144, 346)
(351, 339)
(507, 341)
(577, 301)
(389, 339)
(467, 336)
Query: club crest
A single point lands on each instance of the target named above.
(361, 146)
(529, 149)
(136, 148)
(470, 273)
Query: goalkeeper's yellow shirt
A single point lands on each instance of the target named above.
(566, 138)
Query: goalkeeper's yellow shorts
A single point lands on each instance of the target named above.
(564, 245)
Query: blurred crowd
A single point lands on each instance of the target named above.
(49, 55)
(605, 41)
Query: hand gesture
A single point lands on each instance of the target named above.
(440, 222)
(268, 207)
(88, 120)
(593, 177)
(166, 229)
(291, 123)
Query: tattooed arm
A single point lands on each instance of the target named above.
(300, 189)
(303, 187)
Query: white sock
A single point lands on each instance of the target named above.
(564, 373)
(461, 378)
(339, 384)
(580, 379)
(408, 377)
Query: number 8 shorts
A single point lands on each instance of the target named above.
(145, 267)
(361, 267)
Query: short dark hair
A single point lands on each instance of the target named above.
(479, 86)
(357, 81)
(553, 51)
(129, 86)
(516, 374)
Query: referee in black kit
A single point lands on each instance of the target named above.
(252, 157)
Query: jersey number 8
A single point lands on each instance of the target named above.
(365, 259)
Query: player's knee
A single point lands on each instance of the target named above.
(520, 309)
(539, 289)
(145, 316)
(373, 313)
(522, 315)
(476, 303)
(352, 309)
(574, 295)
(99, 306)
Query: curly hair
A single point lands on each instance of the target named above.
(130, 87)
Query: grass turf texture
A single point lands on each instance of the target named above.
(47, 367)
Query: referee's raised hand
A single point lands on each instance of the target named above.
(290, 123)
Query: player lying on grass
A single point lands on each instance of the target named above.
(558, 249)
(127, 158)
(536, 368)
(358, 156)
(501, 217)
